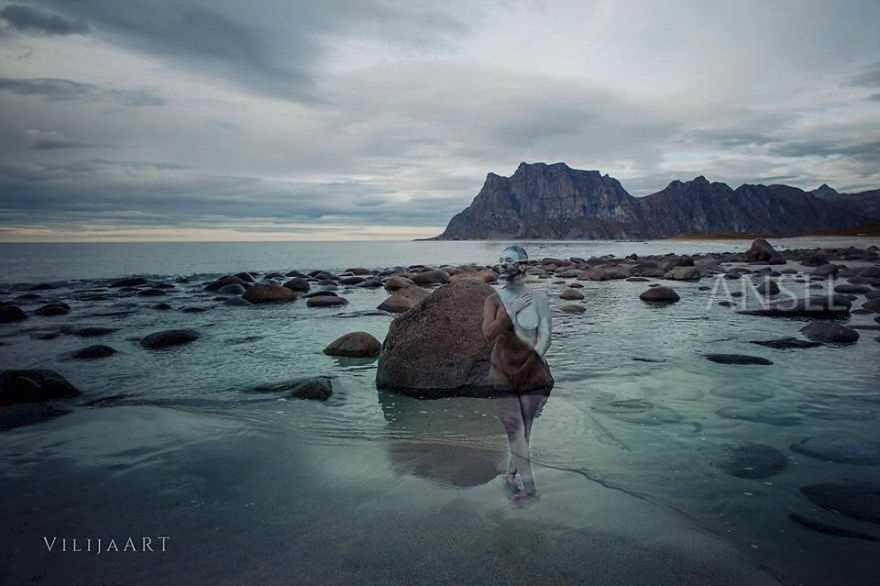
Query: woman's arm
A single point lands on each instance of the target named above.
(545, 327)
(494, 319)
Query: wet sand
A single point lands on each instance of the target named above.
(245, 504)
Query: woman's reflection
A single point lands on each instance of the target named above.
(517, 321)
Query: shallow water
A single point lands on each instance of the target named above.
(636, 407)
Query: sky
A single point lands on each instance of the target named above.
(336, 120)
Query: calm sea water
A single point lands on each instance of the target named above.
(375, 487)
(62, 261)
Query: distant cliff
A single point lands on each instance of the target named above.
(544, 201)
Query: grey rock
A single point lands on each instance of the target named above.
(354, 345)
(169, 338)
(830, 332)
(28, 385)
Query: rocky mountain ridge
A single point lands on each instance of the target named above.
(554, 201)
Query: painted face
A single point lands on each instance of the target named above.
(512, 263)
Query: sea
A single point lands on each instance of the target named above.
(653, 464)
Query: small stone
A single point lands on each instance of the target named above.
(169, 338)
(53, 309)
(326, 300)
(570, 294)
(93, 352)
(355, 345)
(738, 359)
(659, 295)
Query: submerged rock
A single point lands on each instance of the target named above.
(826, 529)
(573, 308)
(11, 313)
(813, 306)
(752, 461)
(830, 333)
(169, 338)
(759, 415)
(128, 282)
(786, 343)
(354, 344)
(857, 500)
(89, 331)
(840, 449)
(22, 386)
(53, 309)
(738, 359)
(19, 415)
(93, 352)
(318, 388)
(571, 294)
(659, 295)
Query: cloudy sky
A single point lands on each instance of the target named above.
(283, 119)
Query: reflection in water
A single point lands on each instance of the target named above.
(517, 413)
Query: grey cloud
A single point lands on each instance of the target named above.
(874, 97)
(143, 192)
(272, 48)
(33, 19)
(863, 151)
(868, 78)
(47, 140)
(67, 90)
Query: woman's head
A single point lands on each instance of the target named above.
(513, 261)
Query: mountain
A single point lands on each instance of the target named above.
(541, 201)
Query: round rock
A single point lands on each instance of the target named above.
(169, 338)
(659, 295)
(830, 333)
(355, 345)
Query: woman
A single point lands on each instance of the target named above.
(517, 320)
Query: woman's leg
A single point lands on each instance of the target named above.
(510, 414)
(530, 404)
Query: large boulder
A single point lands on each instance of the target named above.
(169, 338)
(269, 293)
(354, 345)
(830, 332)
(761, 251)
(437, 349)
(24, 386)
